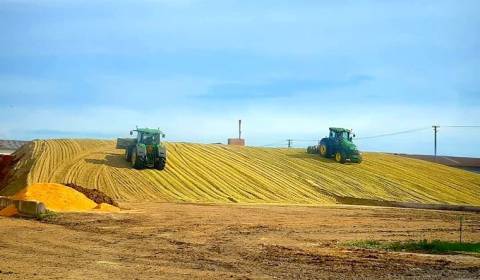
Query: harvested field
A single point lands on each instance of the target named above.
(228, 174)
(192, 241)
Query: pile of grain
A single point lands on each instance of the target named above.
(59, 198)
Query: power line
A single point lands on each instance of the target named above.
(393, 133)
(465, 126)
(289, 142)
(273, 144)
(304, 140)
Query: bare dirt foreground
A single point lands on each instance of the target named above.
(167, 240)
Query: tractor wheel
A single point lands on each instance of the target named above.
(136, 162)
(340, 157)
(323, 150)
(128, 155)
(359, 160)
(160, 164)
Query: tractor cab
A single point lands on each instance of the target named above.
(148, 136)
(341, 134)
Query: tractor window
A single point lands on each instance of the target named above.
(147, 139)
(342, 135)
(150, 139)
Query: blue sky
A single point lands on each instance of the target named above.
(289, 69)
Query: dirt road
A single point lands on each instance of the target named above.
(165, 240)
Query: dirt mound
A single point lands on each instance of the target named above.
(227, 174)
(93, 194)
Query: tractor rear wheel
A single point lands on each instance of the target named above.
(137, 163)
(160, 163)
(340, 157)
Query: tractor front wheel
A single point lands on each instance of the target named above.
(323, 150)
(160, 163)
(137, 163)
(340, 157)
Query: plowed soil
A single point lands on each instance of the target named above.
(228, 174)
(192, 241)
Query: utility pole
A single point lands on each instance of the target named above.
(289, 141)
(461, 228)
(435, 130)
(239, 129)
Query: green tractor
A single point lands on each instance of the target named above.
(338, 145)
(146, 150)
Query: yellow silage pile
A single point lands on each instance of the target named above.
(58, 198)
(229, 174)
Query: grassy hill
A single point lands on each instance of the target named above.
(227, 174)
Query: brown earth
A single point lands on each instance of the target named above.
(167, 240)
(93, 194)
(6, 164)
(447, 160)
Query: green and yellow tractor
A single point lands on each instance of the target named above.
(146, 150)
(339, 145)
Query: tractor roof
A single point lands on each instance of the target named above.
(148, 130)
(338, 129)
